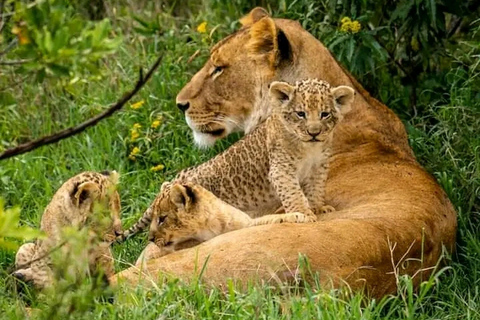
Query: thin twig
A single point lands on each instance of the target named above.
(31, 145)
(46, 254)
(14, 62)
(10, 46)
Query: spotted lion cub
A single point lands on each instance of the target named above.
(190, 213)
(283, 162)
(73, 206)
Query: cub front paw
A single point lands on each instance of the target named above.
(298, 217)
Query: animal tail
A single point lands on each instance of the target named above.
(142, 224)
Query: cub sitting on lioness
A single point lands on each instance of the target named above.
(73, 205)
(284, 162)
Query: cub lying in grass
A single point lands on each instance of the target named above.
(284, 162)
(191, 212)
(79, 203)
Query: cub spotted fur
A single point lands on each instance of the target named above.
(189, 212)
(283, 162)
(73, 206)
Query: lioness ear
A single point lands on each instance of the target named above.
(254, 15)
(84, 191)
(281, 92)
(268, 42)
(343, 96)
(182, 196)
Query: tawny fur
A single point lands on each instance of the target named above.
(73, 206)
(284, 162)
(392, 217)
(192, 213)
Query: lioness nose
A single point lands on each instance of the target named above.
(183, 106)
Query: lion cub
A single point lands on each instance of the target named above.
(192, 213)
(283, 162)
(73, 206)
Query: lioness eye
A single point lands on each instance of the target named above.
(301, 114)
(325, 115)
(217, 70)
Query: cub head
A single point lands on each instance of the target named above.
(180, 213)
(310, 109)
(220, 98)
(85, 194)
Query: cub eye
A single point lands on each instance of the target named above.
(301, 114)
(325, 115)
(161, 220)
(217, 70)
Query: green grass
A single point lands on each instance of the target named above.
(445, 138)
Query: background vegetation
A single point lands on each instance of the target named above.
(63, 61)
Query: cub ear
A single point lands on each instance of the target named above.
(84, 191)
(269, 43)
(182, 196)
(281, 92)
(254, 15)
(343, 96)
(164, 185)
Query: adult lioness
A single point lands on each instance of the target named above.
(392, 216)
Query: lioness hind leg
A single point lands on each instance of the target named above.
(24, 255)
(292, 217)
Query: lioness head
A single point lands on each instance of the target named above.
(221, 97)
(310, 108)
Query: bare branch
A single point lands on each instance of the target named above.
(46, 254)
(31, 145)
(14, 62)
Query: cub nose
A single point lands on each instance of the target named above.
(313, 133)
(183, 106)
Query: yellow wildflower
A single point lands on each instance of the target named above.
(158, 167)
(355, 26)
(22, 34)
(345, 27)
(202, 27)
(415, 45)
(137, 126)
(137, 105)
(350, 26)
(133, 153)
(155, 124)
(134, 135)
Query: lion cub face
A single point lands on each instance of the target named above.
(180, 214)
(311, 108)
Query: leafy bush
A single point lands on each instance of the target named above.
(55, 41)
(10, 229)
